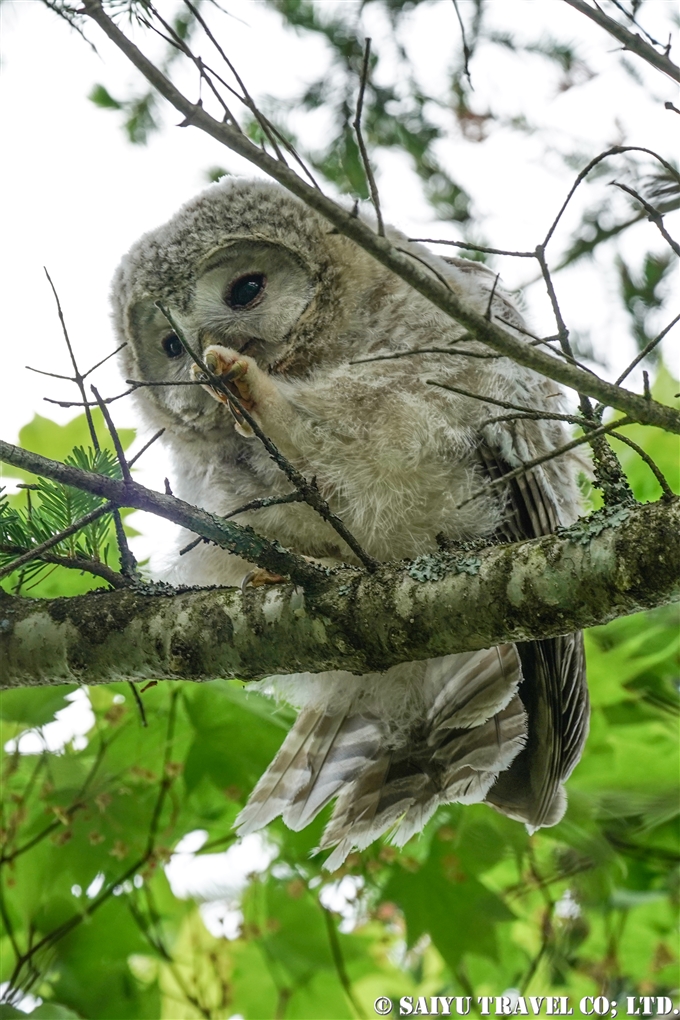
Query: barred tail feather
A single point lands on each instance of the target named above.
(386, 776)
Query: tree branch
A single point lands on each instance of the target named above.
(606, 566)
(422, 279)
(238, 540)
(630, 41)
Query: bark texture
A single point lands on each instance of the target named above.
(604, 567)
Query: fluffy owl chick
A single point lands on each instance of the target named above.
(305, 326)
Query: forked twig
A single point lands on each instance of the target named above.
(653, 215)
(78, 378)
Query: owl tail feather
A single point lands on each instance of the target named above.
(470, 731)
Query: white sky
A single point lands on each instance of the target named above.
(76, 194)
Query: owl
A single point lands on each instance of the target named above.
(323, 346)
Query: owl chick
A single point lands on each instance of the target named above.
(288, 311)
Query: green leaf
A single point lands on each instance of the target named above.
(46, 437)
(33, 706)
(54, 1011)
(237, 735)
(455, 909)
(102, 97)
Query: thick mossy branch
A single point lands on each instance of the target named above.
(602, 568)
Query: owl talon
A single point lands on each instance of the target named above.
(230, 369)
(257, 577)
(238, 369)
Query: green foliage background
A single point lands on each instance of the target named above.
(474, 906)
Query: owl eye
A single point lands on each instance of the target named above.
(245, 292)
(172, 346)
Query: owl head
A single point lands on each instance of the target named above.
(245, 265)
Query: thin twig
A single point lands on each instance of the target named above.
(412, 255)
(487, 313)
(630, 41)
(115, 438)
(179, 43)
(475, 247)
(647, 412)
(254, 504)
(192, 545)
(246, 97)
(633, 21)
(424, 350)
(609, 474)
(104, 360)
(128, 562)
(133, 460)
(260, 504)
(90, 403)
(654, 468)
(138, 702)
(614, 150)
(484, 397)
(537, 461)
(467, 52)
(591, 434)
(538, 416)
(243, 542)
(78, 379)
(375, 198)
(653, 215)
(339, 961)
(52, 375)
(81, 563)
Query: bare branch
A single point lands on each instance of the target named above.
(467, 53)
(261, 504)
(651, 464)
(375, 198)
(653, 215)
(78, 379)
(649, 346)
(630, 41)
(646, 412)
(133, 460)
(240, 541)
(104, 360)
(474, 247)
(614, 150)
(424, 350)
(85, 566)
(89, 403)
(128, 562)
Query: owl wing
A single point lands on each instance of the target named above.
(554, 691)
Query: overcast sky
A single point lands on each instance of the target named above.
(76, 194)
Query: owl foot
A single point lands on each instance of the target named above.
(255, 389)
(257, 577)
(233, 369)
